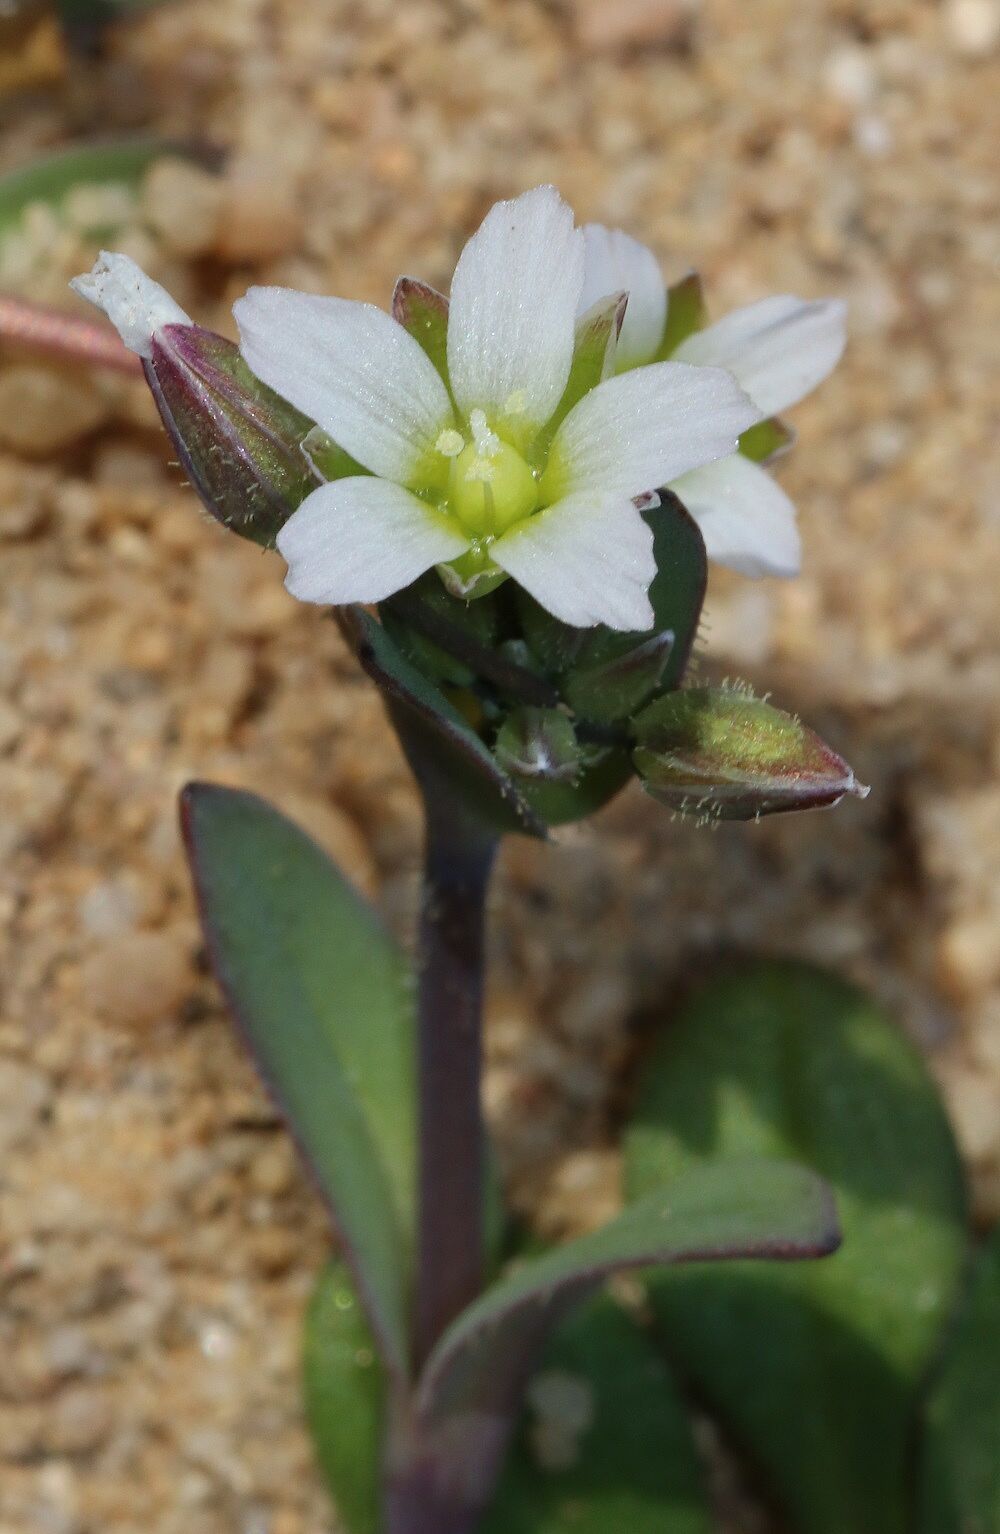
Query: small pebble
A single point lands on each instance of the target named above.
(142, 977)
(182, 203)
(43, 411)
(258, 220)
(601, 25)
(973, 26)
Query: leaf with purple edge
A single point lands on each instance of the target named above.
(442, 748)
(324, 1001)
(469, 1392)
(813, 1368)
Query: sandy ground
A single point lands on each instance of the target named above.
(157, 1240)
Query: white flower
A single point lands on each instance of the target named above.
(136, 305)
(462, 473)
(778, 350)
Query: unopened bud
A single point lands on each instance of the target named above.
(539, 743)
(239, 443)
(725, 755)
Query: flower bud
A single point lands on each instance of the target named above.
(539, 743)
(238, 442)
(721, 753)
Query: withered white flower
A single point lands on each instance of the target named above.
(462, 472)
(778, 349)
(469, 463)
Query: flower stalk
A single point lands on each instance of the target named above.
(66, 337)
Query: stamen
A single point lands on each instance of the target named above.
(450, 443)
(516, 403)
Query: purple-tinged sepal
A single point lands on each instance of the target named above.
(719, 753)
(239, 443)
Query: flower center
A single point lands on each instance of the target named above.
(490, 486)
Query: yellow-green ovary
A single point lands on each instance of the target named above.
(489, 491)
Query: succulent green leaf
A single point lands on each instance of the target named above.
(604, 1443)
(812, 1367)
(755, 1209)
(445, 752)
(767, 440)
(52, 177)
(960, 1464)
(423, 311)
(345, 1399)
(686, 313)
(721, 752)
(323, 1000)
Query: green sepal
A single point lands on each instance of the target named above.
(594, 347)
(615, 688)
(767, 440)
(959, 1491)
(686, 313)
(446, 754)
(423, 311)
(632, 1464)
(676, 595)
(812, 1368)
(329, 460)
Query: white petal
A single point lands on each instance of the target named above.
(615, 263)
(359, 540)
(642, 429)
(587, 560)
(352, 369)
(514, 297)
(135, 304)
(746, 519)
(778, 349)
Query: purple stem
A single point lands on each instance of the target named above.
(450, 1274)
